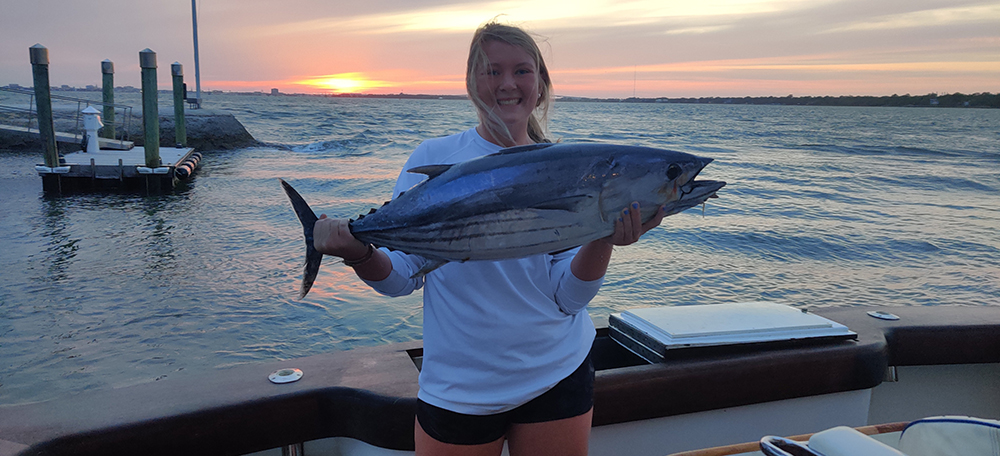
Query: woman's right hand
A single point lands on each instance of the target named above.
(333, 237)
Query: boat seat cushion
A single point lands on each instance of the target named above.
(845, 441)
(951, 436)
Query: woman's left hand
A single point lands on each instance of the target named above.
(629, 226)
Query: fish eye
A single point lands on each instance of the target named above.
(673, 171)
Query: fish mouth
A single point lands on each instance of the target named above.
(695, 192)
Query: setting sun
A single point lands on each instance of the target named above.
(344, 83)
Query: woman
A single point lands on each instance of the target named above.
(506, 343)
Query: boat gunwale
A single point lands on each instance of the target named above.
(370, 393)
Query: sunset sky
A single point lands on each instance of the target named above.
(595, 48)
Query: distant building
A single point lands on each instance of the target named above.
(274, 91)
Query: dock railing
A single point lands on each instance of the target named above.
(17, 111)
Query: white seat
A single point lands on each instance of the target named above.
(951, 436)
(844, 441)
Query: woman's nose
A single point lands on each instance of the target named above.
(507, 81)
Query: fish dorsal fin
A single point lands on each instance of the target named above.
(431, 171)
(517, 149)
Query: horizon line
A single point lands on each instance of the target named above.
(465, 96)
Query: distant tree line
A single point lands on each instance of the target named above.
(954, 100)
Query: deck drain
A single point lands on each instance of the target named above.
(882, 315)
(285, 375)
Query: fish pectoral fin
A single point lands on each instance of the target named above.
(431, 171)
(428, 267)
(566, 203)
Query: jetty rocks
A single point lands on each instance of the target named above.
(207, 129)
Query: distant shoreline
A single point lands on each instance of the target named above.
(954, 100)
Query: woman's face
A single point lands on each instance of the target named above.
(509, 85)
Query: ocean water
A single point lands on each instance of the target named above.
(825, 207)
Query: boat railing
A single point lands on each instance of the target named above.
(17, 109)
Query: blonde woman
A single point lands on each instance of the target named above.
(506, 343)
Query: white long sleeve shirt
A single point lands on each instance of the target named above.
(496, 333)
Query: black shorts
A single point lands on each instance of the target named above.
(573, 396)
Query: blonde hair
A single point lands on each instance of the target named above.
(478, 61)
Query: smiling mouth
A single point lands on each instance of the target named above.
(508, 102)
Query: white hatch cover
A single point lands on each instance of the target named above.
(724, 324)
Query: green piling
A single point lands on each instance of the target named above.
(150, 113)
(180, 130)
(43, 103)
(108, 89)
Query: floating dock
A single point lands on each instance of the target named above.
(149, 167)
(106, 169)
(107, 158)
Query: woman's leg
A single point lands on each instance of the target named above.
(428, 446)
(565, 437)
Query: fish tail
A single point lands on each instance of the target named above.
(308, 219)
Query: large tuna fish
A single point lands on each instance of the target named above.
(521, 201)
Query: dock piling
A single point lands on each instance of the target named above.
(180, 132)
(150, 117)
(43, 103)
(108, 90)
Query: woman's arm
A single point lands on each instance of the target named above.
(591, 262)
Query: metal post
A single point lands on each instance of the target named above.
(197, 68)
(295, 449)
(43, 103)
(150, 113)
(180, 131)
(108, 88)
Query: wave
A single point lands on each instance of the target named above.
(904, 151)
(937, 183)
(359, 144)
(777, 246)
